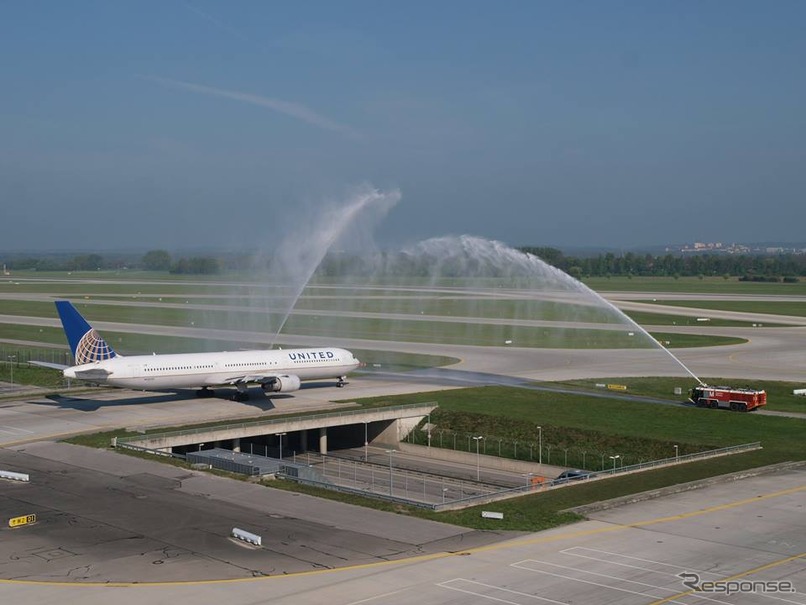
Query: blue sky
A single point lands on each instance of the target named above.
(179, 123)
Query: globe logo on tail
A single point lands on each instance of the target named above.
(92, 348)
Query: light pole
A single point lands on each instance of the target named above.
(366, 443)
(676, 453)
(477, 440)
(11, 359)
(390, 452)
(614, 458)
(540, 447)
(281, 445)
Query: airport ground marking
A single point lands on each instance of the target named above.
(438, 555)
(379, 596)
(737, 576)
(568, 552)
(519, 565)
(491, 598)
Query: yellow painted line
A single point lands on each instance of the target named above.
(601, 530)
(732, 578)
(719, 507)
(541, 539)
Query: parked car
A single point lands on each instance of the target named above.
(572, 475)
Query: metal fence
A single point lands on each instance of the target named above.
(23, 354)
(408, 487)
(437, 493)
(392, 483)
(527, 450)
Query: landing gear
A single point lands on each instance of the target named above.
(342, 381)
(242, 394)
(205, 392)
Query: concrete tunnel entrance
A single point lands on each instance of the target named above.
(282, 437)
(321, 440)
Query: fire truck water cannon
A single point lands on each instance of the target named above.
(729, 398)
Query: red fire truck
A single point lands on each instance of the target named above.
(738, 400)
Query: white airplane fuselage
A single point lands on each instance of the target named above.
(198, 370)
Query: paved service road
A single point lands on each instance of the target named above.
(109, 518)
(753, 530)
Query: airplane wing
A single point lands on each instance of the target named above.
(247, 378)
(52, 366)
(270, 382)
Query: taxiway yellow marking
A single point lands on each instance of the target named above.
(440, 555)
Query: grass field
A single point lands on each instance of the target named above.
(695, 285)
(412, 331)
(142, 291)
(793, 308)
(779, 394)
(664, 319)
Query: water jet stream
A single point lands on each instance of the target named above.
(489, 293)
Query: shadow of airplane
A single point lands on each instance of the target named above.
(87, 403)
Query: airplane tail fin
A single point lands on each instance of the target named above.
(86, 344)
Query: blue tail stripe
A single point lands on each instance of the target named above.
(85, 343)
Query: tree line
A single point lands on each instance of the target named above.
(154, 260)
(748, 267)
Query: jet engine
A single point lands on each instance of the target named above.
(282, 384)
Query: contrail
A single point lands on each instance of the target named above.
(295, 110)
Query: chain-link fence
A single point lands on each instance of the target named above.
(15, 368)
(23, 354)
(530, 451)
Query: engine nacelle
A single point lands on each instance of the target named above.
(282, 384)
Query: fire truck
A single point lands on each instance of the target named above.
(737, 400)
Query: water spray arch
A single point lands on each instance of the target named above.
(328, 279)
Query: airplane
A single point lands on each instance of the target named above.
(275, 371)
